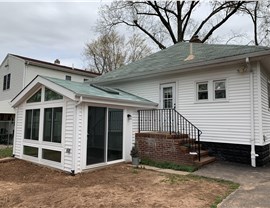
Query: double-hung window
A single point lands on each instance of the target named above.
(52, 130)
(202, 89)
(31, 130)
(6, 82)
(220, 89)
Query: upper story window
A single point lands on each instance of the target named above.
(6, 82)
(51, 95)
(31, 130)
(68, 77)
(202, 90)
(220, 89)
(35, 98)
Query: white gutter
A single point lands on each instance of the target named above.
(252, 126)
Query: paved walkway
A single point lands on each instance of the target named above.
(254, 191)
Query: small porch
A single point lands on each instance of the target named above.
(164, 135)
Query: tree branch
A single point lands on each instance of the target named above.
(160, 45)
(223, 21)
(164, 22)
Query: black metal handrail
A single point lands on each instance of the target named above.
(171, 121)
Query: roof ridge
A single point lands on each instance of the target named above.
(51, 64)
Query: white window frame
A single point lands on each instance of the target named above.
(68, 78)
(45, 144)
(173, 86)
(6, 82)
(197, 91)
(214, 90)
(211, 91)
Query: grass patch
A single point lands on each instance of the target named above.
(231, 187)
(179, 179)
(6, 152)
(168, 165)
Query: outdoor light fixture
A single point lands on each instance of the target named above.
(129, 116)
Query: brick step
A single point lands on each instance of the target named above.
(204, 161)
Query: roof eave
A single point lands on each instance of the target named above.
(190, 67)
(60, 68)
(129, 103)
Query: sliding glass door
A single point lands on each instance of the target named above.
(96, 135)
(104, 135)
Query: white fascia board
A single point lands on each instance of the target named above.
(118, 102)
(37, 83)
(62, 69)
(4, 60)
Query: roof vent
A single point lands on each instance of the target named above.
(190, 56)
(57, 61)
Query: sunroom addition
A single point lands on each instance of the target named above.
(75, 126)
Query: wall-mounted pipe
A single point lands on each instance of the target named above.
(252, 125)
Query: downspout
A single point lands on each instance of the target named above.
(75, 140)
(252, 125)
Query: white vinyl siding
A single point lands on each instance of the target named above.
(221, 120)
(79, 135)
(18, 134)
(15, 67)
(33, 71)
(265, 108)
(69, 134)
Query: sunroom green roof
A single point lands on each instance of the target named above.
(89, 90)
(173, 58)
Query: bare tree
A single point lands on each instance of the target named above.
(110, 51)
(259, 13)
(168, 22)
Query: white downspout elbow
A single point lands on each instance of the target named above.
(252, 125)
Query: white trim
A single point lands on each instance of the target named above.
(211, 91)
(36, 83)
(84, 146)
(174, 93)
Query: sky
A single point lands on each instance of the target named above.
(56, 30)
(47, 31)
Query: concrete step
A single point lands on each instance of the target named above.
(204, 160)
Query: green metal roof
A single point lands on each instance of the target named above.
(173, 58)
(90, 90)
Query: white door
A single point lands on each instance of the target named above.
(167, 102)
(167, 96)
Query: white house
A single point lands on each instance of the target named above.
(218, 94)
(17, 71)
(74, 126)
